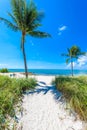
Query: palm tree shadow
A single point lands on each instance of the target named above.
(45, 89)
(42, 82)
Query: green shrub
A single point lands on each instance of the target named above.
(11, 91)
(4, 70)
(75, 92)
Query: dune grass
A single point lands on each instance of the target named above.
(4, 70)
(11, 91)
(74, 90)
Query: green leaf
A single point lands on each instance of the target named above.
(9, 24)
(67, 60)
(39, 34)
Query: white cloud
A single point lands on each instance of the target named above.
(3, 65)
(61, 29)
(82, 60)
(69, 65)
(81, 63)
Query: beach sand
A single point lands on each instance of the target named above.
(44, 109)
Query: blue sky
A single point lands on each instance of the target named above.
(66, 21)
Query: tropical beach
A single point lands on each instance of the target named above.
(43, 65)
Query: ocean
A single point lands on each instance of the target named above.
(51, 71)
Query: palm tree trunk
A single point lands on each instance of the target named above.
(24, 56)
(72, 67)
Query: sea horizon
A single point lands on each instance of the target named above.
(51, 71)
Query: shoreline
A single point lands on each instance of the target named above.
(32, 74)
(50, 72)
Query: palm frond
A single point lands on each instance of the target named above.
(26, 15)
(83, 53)
(9, 24)
(32, 6)
(32, 16)
(26, 18)
(32, 27)
(39, 34)
(63, 54)
(67, 60)
(40, 16)
(68, 50)
(18, 8)
(31, 13)
(12, 17)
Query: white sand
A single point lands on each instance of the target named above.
(42, 109)
(13, 75)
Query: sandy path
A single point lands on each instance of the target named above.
(44, 111)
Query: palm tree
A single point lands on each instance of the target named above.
(27, 19)
(73, 53)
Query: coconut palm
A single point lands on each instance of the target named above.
(26, 19)
(72, 54)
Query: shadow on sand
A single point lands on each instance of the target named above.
(45, 89)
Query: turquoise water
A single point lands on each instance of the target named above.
(51, 71)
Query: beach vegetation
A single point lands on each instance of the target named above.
(73, 54)
(27, 19)
(4, 70)
(11, 92)
(74, 89)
